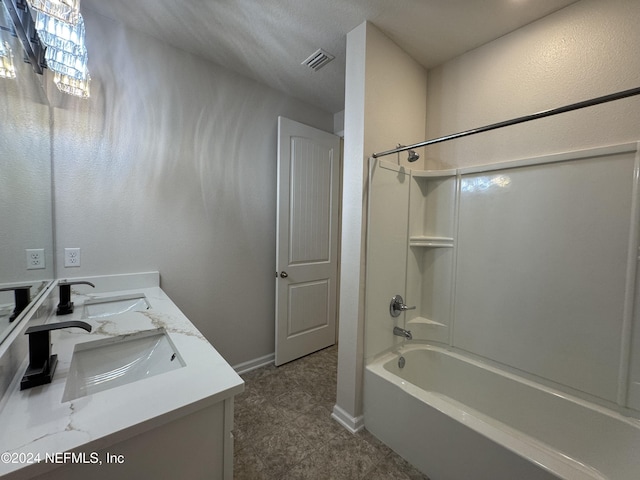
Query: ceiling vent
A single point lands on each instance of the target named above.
(318, 59)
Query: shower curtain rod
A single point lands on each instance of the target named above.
(545, 113)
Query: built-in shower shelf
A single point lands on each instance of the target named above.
(430, 242)
(424, 321)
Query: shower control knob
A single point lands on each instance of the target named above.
(397, 306)
(284, 274)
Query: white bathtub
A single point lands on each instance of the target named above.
(458, 419)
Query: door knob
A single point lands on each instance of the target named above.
(284, 274)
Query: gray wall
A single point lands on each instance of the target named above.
(25, 172)
(171, 166)
(583, 51)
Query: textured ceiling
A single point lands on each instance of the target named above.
(268, 39)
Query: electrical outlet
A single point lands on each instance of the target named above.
(71, 257)
(35, 258)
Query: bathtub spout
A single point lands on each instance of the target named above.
(401, 332)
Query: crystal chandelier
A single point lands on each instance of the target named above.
(60, 35)
(66, 54)
(64, 10)
(72, 85)
(7, 69)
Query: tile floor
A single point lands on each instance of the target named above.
(284, 430)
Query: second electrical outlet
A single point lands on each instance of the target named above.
(71, 257)
(35, 258)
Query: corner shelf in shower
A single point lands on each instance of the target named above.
(424, 321)
(430, 242)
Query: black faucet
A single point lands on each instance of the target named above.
(42, 364)
(65, 306)
(23, 298)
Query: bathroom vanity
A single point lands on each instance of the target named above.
(143, 395)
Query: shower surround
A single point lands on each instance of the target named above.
(525, 272)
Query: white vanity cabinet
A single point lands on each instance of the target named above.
(173, 424)
(198, 445)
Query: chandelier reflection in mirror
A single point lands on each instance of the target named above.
(7, 69)
(66, 53)
(67, 11)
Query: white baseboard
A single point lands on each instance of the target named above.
(245, 367)
(353, 424)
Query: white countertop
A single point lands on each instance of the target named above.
(36, 421)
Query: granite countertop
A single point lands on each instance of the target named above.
(37, 422)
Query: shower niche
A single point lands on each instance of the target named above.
(430, 253)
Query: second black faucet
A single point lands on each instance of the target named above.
(65, 305)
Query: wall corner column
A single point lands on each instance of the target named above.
(348, 408)
(385, 104)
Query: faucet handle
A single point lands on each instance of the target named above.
(397, 306)
(47, 327)
(64, 283)
(16, 288)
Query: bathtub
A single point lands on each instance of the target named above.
(455, 418)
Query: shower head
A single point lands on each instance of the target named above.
(413, 156)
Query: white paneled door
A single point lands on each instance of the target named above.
(307, 240)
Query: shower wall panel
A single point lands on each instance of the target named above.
(541, 271)
(386, 252)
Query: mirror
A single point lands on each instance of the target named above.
(25, 180)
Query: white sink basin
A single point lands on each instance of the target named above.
(111, 362)
(108, 306)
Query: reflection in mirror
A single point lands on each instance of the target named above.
(25, 181)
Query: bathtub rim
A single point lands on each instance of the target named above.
(608, 406)
(519, 443)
